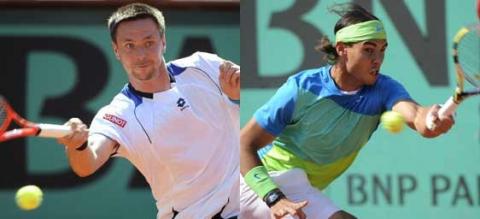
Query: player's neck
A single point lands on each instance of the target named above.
(344, 80)
(159, 83)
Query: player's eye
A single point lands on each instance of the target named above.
(369, 51)
(149, 44)
(129, 45)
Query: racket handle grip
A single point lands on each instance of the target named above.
(53, 131)
(447, 109)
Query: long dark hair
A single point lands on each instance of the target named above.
(349, 13)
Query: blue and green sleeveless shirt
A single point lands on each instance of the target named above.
(320, 128)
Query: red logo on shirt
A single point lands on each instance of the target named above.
(115, 120)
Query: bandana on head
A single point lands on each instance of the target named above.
(368, 30)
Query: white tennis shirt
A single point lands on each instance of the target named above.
(185, 140)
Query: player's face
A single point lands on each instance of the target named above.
(140, 48)
(363, 60)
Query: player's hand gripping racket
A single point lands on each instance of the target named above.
(466, 56)
(26, 128)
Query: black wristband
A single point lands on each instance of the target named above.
(273, 197)
(82, 147)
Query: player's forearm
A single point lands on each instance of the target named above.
(420, 123)
(252, 138)
(415, 117)
(248, 158)
(83, 162)
(248, 151)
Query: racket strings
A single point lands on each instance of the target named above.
(468, 51)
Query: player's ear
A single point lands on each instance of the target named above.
(341, 49)
(163, 40)
(115, 49)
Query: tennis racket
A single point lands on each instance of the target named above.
(466, 56)
(26, 128)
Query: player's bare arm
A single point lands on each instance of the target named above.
(415, 116)
(252, 138)
(86, 153)
(230, 79)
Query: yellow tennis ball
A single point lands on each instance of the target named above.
(392, 121)
(29, 197)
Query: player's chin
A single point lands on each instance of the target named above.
(143, 76)
(144, 73)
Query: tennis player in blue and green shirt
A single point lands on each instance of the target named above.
(312, 129)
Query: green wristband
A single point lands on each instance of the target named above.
(259, 181)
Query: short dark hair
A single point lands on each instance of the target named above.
(135, 11)
(350, 14)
